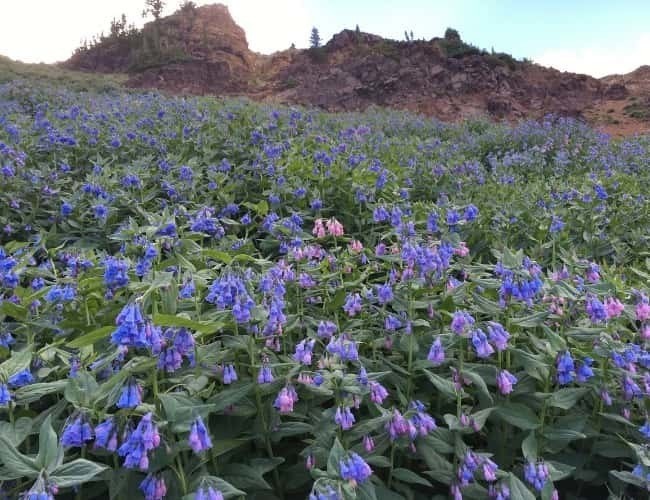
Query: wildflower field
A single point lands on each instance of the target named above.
(205, 299)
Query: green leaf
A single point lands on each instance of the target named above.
(628, 477)
(562, 435)
(17, 362)
(227, 489)
(17, 431)
(227, 397)
(291, 429)
(479, 383)
(181, 409)
(15, 462)
(518, 489)
(567, 398)
(617, 418)
(441, 469)
(205, 327)
(612, 448)
(378, 461)
(531, 321)
(529, 447)
(480, 417)
(244, 476)
(34, 392)
(336, 454)
(19, 313)
(76, 472)
(408, 476)
(223, 446)
(81, 390)
(48, 447)
(559, 471)
(438, 441)
(370, 425)
(265, 465)
(535, 365)
(217, 255)
(444, 385)
(91, 337)
(518, 415)
(384, 493)
(366, 491)
(486, 306)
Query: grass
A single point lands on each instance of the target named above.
(49, 73)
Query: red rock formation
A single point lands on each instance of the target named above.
(203, 51)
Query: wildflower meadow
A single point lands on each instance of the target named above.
(213, 299)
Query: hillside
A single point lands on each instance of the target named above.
(74, 80)
(203, 51)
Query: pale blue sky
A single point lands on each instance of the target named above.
(597, 37)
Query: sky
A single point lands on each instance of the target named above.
(597, 37)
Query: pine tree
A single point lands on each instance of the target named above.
(153, 7)
(314, 39)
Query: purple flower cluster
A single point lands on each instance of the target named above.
(230, 292)
(139, 443)
(355, 469)
(199, 438)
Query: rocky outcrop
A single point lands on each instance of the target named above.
(357, 70)
(203, 51)
(206, 39)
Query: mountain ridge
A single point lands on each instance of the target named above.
(202, 50)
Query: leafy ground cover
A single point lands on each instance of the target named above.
(217, 299)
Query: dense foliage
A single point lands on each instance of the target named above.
(206, 299)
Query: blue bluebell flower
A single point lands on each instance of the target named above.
(5, 395)
(481, 345)
(106, 435)
(230, 292)
(354, 469)
(115, 273)
(470, 215)
(536, 474)
(76, 433)
(208, 493)
(384, 293)
(265, 375)
(461, 322)
(229, 374)
(139, 443)
(187, 290)
(199, 438)
(153, 487)
(436, 352)
(584, 371)
(304, 350)
(131, 395)
(21, 378)
(61, 293)
(498, 335)
(352, 304)
(344, 417)
(565, 368)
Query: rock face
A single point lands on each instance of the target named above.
(214, 50)
(195, 50)
(203, 51)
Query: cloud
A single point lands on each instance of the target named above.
(599, 61)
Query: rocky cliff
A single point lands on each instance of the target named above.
(203, 51)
